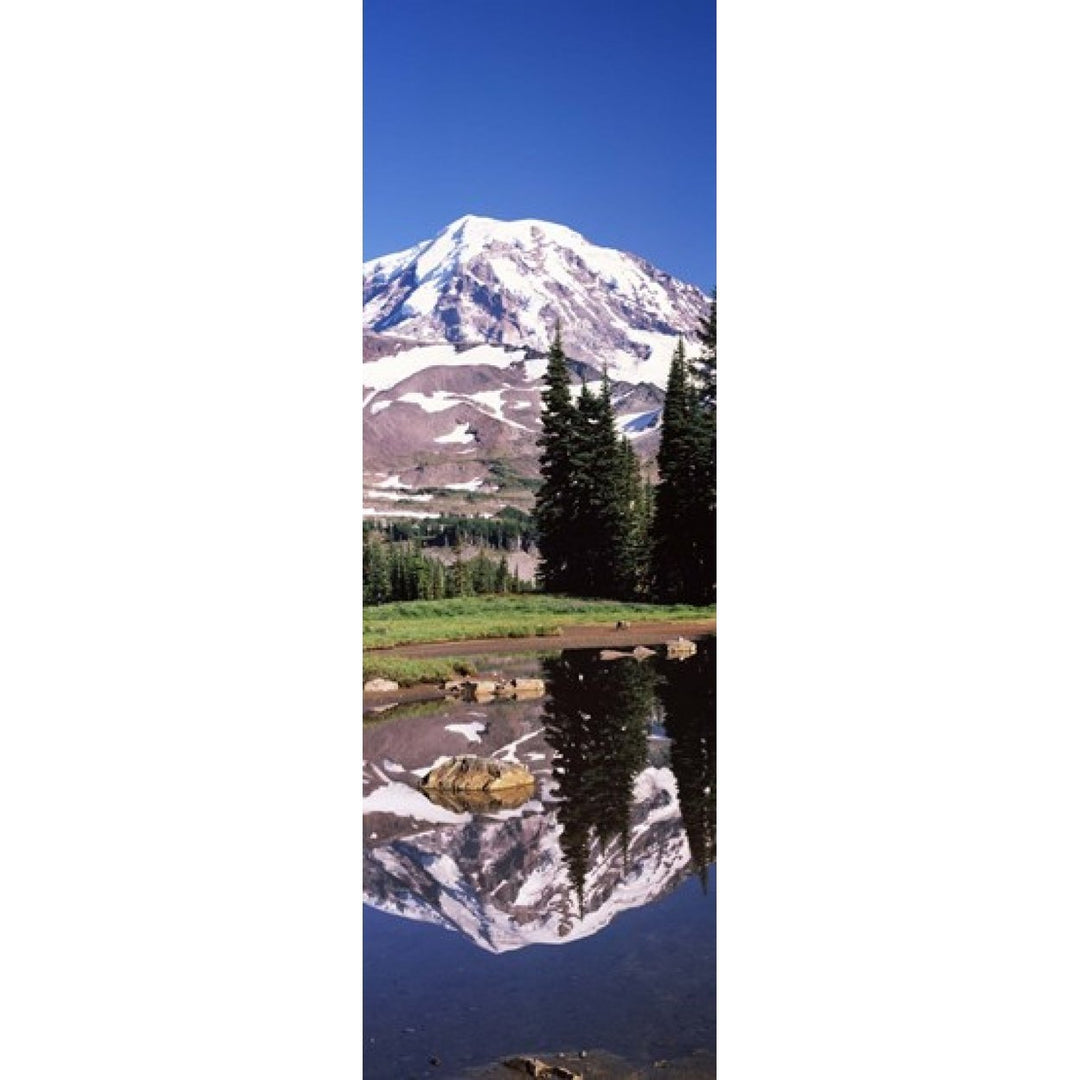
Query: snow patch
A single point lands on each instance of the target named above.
(395, 496)
(388, 371)
(638, 423)
(436, 402)
(375, 512)
(460, 434)
(392, 481)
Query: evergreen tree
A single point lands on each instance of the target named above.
(553, 512)
(591, 504)
(459, 579)
(502, 576)
(702, 510)
(705, 364)
(684, 529)
(376, 571)
(631, 539)
(670, 557)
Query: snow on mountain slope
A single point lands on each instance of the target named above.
(463, 420)
(510, 282)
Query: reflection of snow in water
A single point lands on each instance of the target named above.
(509, 752)
(425, 769)
(404, 801)
(472, 731)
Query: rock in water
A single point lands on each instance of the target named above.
(468, 773)
(528, 685)
(680, 649)
(478, 689)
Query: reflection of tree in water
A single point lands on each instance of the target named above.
(597, 719)
(688, 695)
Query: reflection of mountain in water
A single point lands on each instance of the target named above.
(597, 719)
(606, 832)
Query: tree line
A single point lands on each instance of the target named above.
(402, 571)
(604, 531)
(509, 530)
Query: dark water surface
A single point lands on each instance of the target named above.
(583, 919)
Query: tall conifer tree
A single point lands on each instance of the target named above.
(558, 445)
(702, 510)
(670, 562)
(684, 524)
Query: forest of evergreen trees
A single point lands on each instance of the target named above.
(508, 530)
(603, 531)
(400, 564)
(402, 571)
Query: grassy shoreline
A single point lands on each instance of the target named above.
(413, 671)
(491, 617)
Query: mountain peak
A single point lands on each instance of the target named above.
(480, 279)
(475, 232)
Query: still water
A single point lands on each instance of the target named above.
(582, 919)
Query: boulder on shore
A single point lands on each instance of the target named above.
(378, 686)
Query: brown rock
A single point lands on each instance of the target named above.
(680, 649)
(478, 688)
(527, 685)
(468, 773)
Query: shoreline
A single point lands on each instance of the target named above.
(573, 637)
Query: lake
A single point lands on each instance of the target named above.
(582, 919)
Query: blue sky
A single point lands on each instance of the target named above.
(598, 114)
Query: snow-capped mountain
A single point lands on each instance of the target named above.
(510, 282)
(456, 334)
